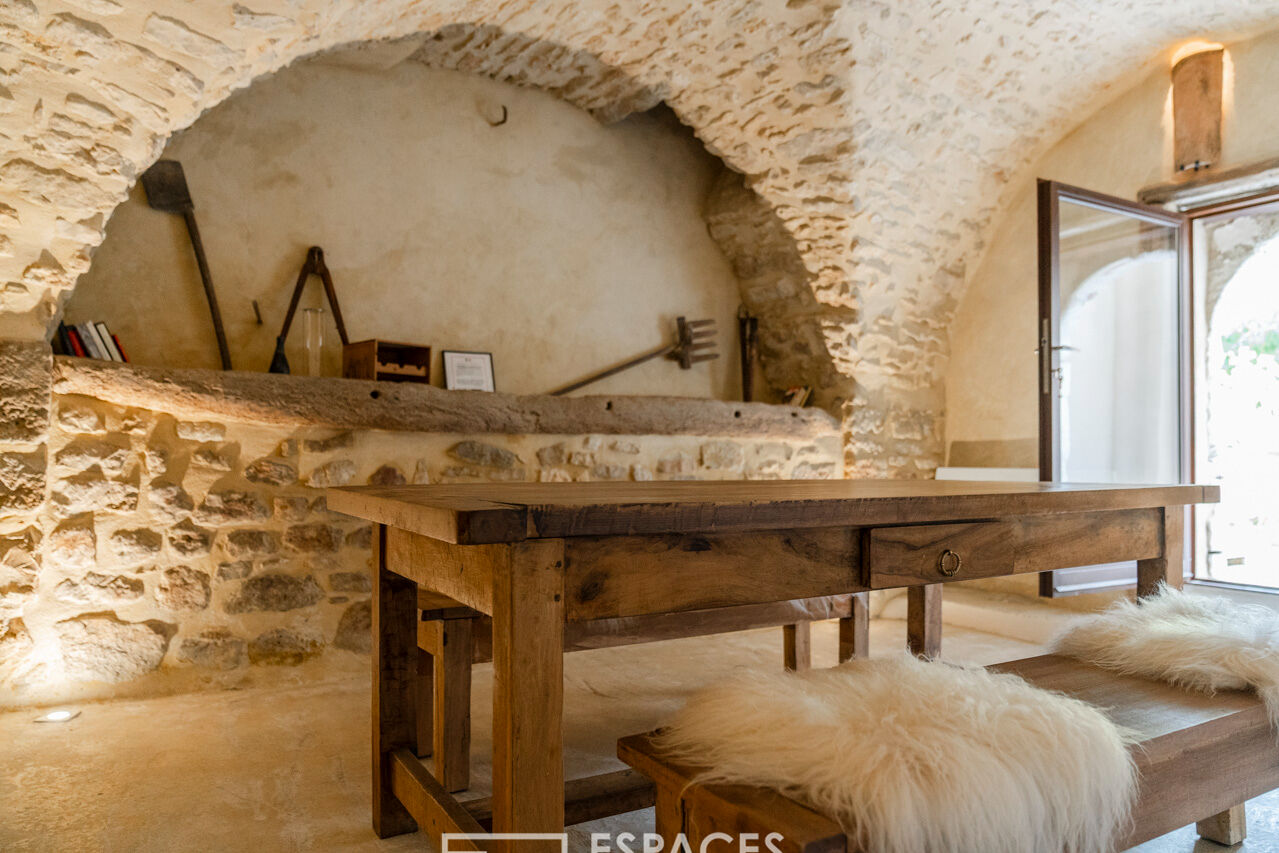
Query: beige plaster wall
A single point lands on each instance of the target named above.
(1127, 144)
(556, 242)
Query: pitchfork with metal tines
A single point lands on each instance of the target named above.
(694, 343)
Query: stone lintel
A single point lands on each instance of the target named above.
(287, 400)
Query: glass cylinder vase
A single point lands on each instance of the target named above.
(314, 340)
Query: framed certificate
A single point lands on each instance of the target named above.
(468, 371)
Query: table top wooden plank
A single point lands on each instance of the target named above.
(504, 512)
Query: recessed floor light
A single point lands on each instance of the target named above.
(59, 716)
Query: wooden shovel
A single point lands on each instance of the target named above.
(166, 187)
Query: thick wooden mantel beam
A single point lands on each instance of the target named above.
(358, 404)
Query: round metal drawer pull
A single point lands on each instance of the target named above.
(949, 563)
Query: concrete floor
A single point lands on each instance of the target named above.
(286, 769)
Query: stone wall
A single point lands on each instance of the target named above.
(882, 135)
(179, 548)
(98, 89)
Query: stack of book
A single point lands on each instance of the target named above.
(88, 340)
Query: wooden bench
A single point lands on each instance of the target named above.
(1199, 757)
(452, 637)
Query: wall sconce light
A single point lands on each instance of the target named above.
(1197, 75)
(61, 715)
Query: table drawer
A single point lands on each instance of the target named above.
(935, 553)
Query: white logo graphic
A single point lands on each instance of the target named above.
(626, 842)
(449, 837)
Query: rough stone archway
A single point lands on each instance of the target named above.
(881, 135)
(876, 140)
(94, 97)
(96, 90)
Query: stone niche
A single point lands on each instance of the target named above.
(185, 542)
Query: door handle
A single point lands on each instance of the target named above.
(1045, 358)
(1044, 351)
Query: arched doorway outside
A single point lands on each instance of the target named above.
(1240, 405)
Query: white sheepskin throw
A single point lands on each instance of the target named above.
(912, 756)
(1197, 642)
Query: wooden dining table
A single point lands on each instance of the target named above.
(539, 557)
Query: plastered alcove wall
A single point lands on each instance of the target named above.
(558, 243)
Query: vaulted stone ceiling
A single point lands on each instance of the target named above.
(881, 135)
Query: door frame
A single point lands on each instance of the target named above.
(1050, 195)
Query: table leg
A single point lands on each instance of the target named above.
(1169, 567)
(528, 689)
(854, 630)
(923, 620)
(453, 705)
(394, 641)
(797, 646)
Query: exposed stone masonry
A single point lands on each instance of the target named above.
(881, 135)
(878, 137)
(574, 75)
(187, 546)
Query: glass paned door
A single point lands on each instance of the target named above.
(1113, 398)
(1237, 394)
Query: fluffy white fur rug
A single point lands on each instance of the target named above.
(919, 757)
(1195, 641)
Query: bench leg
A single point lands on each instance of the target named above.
(425, 703)
(669, 814)
(923, 620)
(854, 630)
(452, 701)
(797, 646)
(1229, 827)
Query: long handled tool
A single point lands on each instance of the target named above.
(313, 265)
(748, 339)
(166, 188)
(694, 342)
